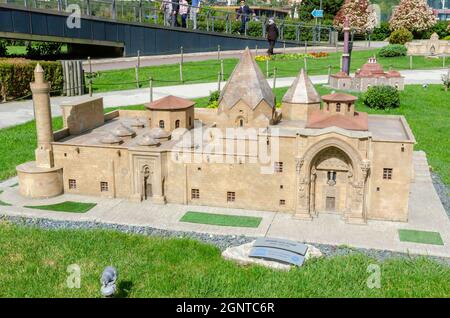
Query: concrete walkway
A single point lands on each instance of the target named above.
(425, 213)
(152, 60)
(14, 113)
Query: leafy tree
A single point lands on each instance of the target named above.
(361, 16)
(330, 8)
(414, 15)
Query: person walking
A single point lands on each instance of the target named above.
(272, 35)
(243, 13)
(166, 8)
(175, 10)
(184, 8)
(195, 8)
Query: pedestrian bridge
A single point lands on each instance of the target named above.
(129, 28)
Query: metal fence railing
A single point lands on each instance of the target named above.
(208, 19)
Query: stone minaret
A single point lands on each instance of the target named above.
(346, 55)
(42, 111)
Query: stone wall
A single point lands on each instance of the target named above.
(79, 117)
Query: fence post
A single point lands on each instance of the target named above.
(274, 77)
(284, 47)
(150, 85)
(267, 68)
(218, 81)
(221, 68)
(306, 64)
(256, 50)
(410, 62)
(181, 64)
(329, 74)
(443, 61)
(88, 7)
(90, 87)
(218, 52)
(137, 75)
(139, 58)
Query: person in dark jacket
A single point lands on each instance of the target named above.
(243, 13)
(272, 35)
(175, 10)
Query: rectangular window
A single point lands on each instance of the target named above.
(72, 184)
(195, 194)
(282, 202)
(387, 173)
(104, 187)
(278, 167)
(231, 196)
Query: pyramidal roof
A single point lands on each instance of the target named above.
(246, 83)
(302, 91)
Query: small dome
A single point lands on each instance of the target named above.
(178, 133)
(123, 131)
(111, 139)
(137, 122)
(159, 133)
(148, 140)
(187, 142)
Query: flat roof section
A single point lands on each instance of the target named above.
(390, 128)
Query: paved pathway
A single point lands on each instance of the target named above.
(130, 62)
(425, 213)
(14, 113)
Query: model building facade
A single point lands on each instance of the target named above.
(324, 155)
(370, 74)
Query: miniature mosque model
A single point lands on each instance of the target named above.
(370, 74)
(329, 157)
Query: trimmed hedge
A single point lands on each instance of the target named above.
(16, 75)
(382, 97)
(400, 36)
(393, 50)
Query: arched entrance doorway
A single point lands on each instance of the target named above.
(331, 175)
(146, 183)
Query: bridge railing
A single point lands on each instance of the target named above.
(208, 19)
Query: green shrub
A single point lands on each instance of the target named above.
(381, 33)
(447, 38)
(393, 50)
(16, 75)
(3, 49)
(400, 36)
(41, 49)
(382, 97)
(213, 100)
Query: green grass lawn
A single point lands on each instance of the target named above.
(221, 219)
(34, 262)
(424, 237)
(427, 112)
(207, 71)
(67, 206)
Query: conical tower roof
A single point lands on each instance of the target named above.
(246, 83)
(302, 91)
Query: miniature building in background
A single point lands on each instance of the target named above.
(327, 158)
(430, 47)
(370, 74)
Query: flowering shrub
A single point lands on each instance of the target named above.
(361, 15)
(291, 56)
(413, 15)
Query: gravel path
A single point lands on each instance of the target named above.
(220, 241)
(443, 191)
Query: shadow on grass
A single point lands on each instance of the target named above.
(124, 288)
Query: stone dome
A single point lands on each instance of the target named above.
(147, 140)
(137, 122)
(111, 139)
(123, 131)
(159, 133)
